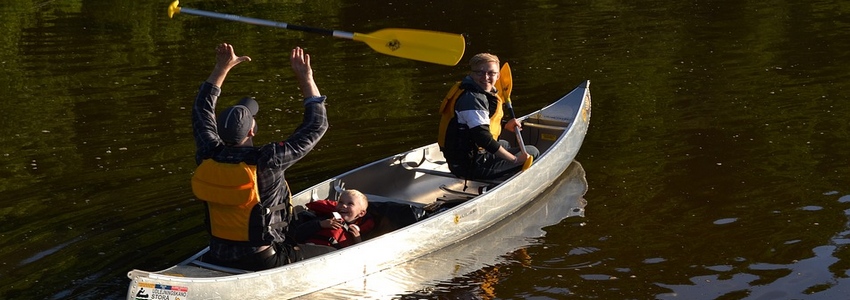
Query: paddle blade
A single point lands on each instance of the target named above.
(173, 9)
(505, 83)
(428, 46)
(527, 163)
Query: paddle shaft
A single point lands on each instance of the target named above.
(516, 130)
(519, 140)
(255, 21)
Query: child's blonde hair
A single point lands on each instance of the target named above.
(357, 196)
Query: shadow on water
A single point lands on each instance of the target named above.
(445, 271)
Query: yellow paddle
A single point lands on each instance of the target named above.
(505, 85)
(428, 46)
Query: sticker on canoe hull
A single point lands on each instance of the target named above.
(548, 137)
(155, 291)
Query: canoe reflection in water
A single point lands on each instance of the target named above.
(509, 237)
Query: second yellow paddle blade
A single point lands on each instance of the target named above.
(428, 46)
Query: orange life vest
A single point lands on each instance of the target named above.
(231, 193)
(447, 113)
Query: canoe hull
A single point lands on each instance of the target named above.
(559, 131)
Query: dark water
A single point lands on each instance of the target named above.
(716, 159)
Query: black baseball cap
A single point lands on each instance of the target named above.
(234, 122)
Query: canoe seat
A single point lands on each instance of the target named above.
(543, 126)
(377, 198)
(437, 167)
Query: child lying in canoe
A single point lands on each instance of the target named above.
(335, 224)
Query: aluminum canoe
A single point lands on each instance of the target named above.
(418, 179)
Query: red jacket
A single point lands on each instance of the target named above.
(340, 237)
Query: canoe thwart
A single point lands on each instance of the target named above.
(460, 193)
(543, 126)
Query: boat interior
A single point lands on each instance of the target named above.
(410, 186)
(421, 176)
(405, 188)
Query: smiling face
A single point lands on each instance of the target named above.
(486, 75)
(352, 205)
(484, 70)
